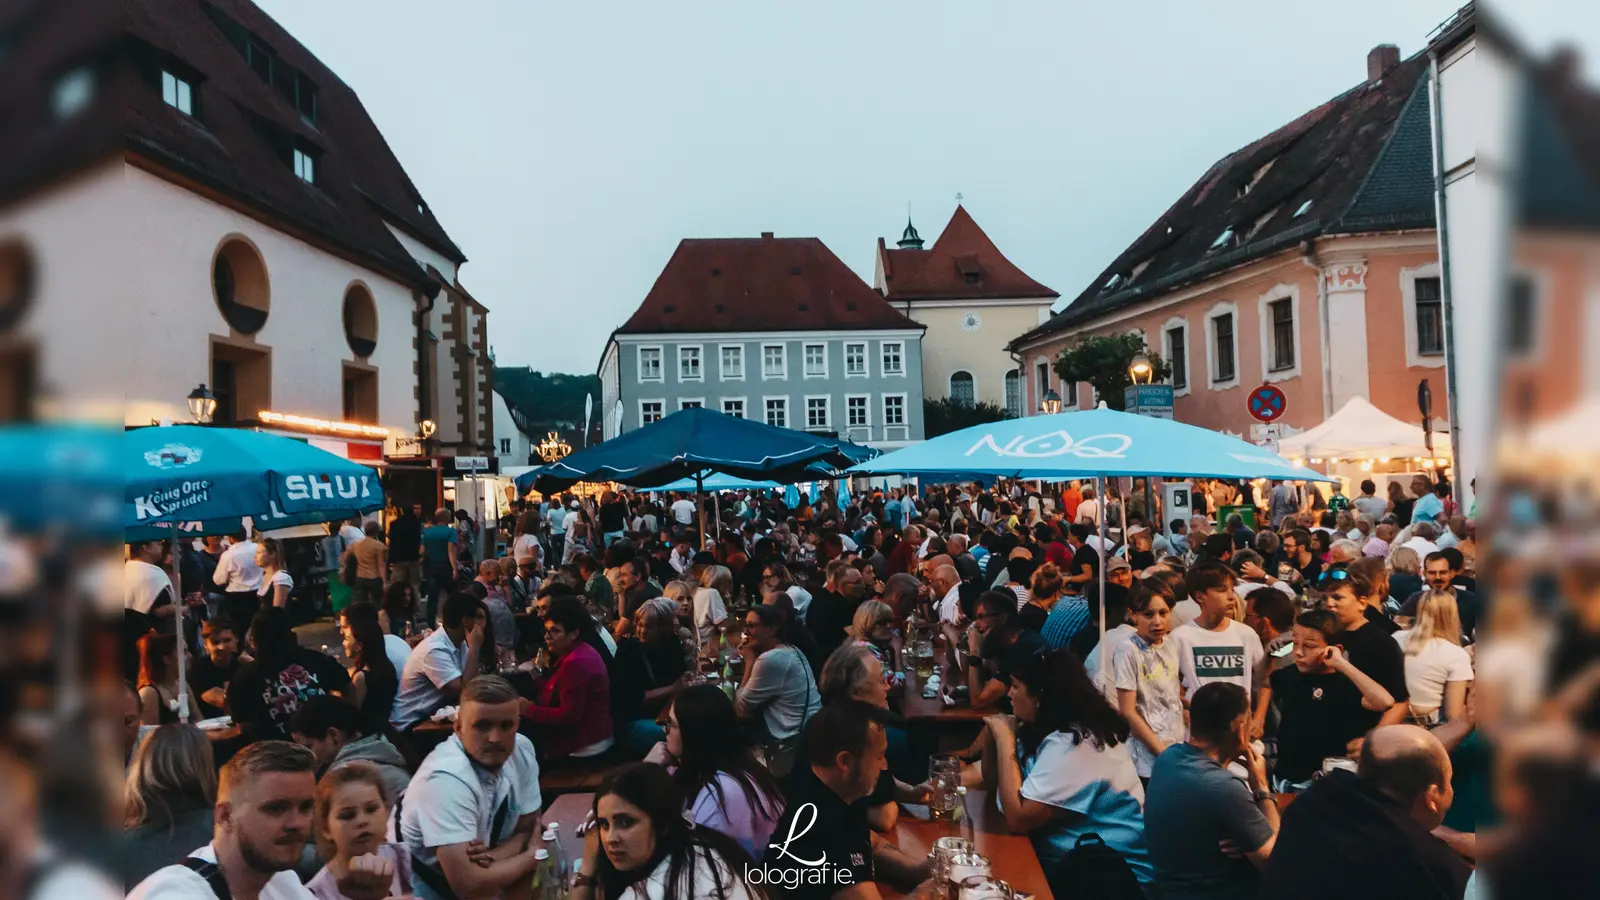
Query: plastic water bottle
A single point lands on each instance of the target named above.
(542, 876)
(558, 858)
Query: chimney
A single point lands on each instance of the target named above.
(766, 235)
(1380, 60)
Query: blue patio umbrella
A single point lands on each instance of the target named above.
(64, 479)
(844, 492)
(691, 443)
(791, 497)
(1096, 443)
(189, 473)
(715, 482)
(1088, 444)
(193, 474)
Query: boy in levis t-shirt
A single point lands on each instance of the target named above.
(1217, 647)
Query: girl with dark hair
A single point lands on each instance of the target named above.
(267, 691)
(373, 679)
(158, 680)
(1063, 767)
(642, 848)
(716, 770)
(400, 602)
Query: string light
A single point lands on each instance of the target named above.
(307, 423)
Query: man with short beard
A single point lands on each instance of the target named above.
(265, 797)
(478, 790)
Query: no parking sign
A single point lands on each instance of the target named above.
(1267, 403)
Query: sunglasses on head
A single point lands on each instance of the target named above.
(1332, 578)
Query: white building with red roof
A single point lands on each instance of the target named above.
(973, 300)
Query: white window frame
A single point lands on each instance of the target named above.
(305, 166)
(883, 363)
(866, 363)
(700, 358)
(783, 357)
(177, 92)
(744, 406)
(1179, 323)
(950, 385)
(1408, 303)
(905, 414)
(1022, 391)
(722, 362)
(661, 403)
(661, 363)
(684, 401)
(1282, 291)
(1223, 308)
(827, 412)
(765, 418)
(805, 367)
(866, 403)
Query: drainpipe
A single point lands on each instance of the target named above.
(424, 376)
(1459, 480)
(1022, 373)
(1308, 258)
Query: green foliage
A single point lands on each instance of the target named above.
(552, 402)
(1103, 360)
(947, 415)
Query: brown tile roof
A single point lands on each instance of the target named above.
(760, 284)
(946, 271)
(233, 143)
(1361, 162)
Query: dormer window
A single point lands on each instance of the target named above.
(177, 92)
(973, 277)
(1255, 178)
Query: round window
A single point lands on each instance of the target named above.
(360, 320)
(239, 280)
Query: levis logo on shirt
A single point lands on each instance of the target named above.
(1218, 662)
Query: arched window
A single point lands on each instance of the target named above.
(961, 388)
(360, 320)
(1014, 393)
(239, 279)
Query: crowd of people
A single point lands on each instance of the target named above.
(739, 690)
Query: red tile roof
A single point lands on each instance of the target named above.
(760, 284)
(942, 271)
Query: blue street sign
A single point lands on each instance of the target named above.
(1154, 400)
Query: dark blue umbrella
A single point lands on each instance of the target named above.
(694, 443)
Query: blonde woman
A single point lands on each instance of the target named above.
(1437, 667)
(1405, 574)
(168, 796)
(710, 601)
(873, 626)
(275, 582)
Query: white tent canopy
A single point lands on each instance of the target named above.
(1360, 430)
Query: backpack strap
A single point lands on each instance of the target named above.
(211, 873)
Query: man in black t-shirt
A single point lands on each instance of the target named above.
(823, 847)
(1297, 553)
(210, 675)
(1085, 565)
(1440, 574)
(997, 645)
(834, 607)
(266, 692)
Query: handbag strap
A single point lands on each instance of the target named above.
(211, 873)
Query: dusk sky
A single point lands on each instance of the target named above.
(567, 148)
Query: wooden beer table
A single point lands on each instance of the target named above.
(1011, 857)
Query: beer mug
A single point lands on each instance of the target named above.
(965, 866)
(985, 887)
(944, 850)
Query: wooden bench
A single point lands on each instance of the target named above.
(574, 776)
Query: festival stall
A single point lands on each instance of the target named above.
(1361, 441)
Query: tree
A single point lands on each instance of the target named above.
(1103, 360)
(947, 415)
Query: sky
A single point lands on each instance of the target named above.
(568, 147)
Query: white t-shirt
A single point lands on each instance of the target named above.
(570, 520)
(183, 883)
(434, 663)
(527, 547)
(142, 585)
(453, 800)
(1431, 668)
(802, 600)
(1115, 637)
(398, 651)
(350, 534)
(1229, 655)
(265, 588)
(950, 605)
(1422, 545)
(698, 881)
(1151, 672)
(709, 611)
(683, 512)
(1184, 612)
(1089, 510)
(236, 568)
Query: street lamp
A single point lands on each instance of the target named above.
(202, 405)
(1051, 403)
(1140, 371)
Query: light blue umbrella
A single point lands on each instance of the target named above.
(715, 482)
(791, 497)
(844, 492)
(1088, 444)
(815, 492)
